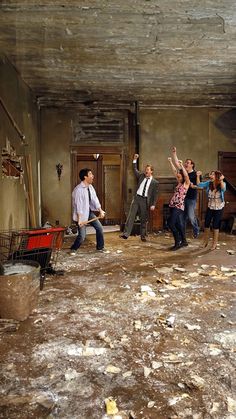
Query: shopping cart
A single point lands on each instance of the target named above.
(39, 245)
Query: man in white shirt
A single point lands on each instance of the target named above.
(85, 201)
(145, 198)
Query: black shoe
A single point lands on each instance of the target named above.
(175, 247)
(184, 244)
(123, 236)
(143, 238)
(195, 235)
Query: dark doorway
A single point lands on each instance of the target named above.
(107, 169)
(227, 165)
(112, 188)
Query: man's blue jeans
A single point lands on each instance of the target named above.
(82, 234)
(189, 214)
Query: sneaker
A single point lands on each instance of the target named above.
(123, 236)
(143, 238)
(195, 235)
(103, 250)
(73, 253)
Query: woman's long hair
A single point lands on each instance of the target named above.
(182, 173)
(216, 183)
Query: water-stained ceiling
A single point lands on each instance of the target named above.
(166, 52)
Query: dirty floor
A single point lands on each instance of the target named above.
(151, 329)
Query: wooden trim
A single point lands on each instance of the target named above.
(226, 154)
(73, 170)
(122, 187)
(31, 190)
(98, 149)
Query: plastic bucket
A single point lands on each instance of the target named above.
(19, 289)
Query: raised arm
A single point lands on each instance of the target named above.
(136, 171)
(174, 170)
(175, 158)
(199, 174)
(222, 183)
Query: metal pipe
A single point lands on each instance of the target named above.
(22, 136)
(137, 127)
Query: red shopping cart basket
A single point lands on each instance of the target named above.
(40, 245)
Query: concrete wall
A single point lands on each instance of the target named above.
(191, 130)
(55, 148)
(19, 101)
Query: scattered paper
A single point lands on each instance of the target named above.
(192, 326)
(112, 369)
(147, 371)
(111, 407)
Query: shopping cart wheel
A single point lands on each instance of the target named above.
(42, 278)
(59, 272)
(1, 269)
(52, 271)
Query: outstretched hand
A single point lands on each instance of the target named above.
(173, 149)
(170, 159)
(136, 156)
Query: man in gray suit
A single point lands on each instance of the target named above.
(145, 198)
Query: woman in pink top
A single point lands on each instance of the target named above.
(176, 221)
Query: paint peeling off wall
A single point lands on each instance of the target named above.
(14, 183)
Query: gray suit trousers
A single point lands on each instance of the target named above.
(138, 206)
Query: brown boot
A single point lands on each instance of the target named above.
(215, 239)
(206, 237)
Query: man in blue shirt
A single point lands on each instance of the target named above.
(85, 201)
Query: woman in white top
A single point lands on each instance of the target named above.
(215, 188)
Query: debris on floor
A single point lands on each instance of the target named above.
(135, 333)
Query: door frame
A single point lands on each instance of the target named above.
(98, 149)
(225, 154)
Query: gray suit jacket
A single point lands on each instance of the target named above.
(153, 188)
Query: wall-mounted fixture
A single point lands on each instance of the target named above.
(96, 156)
(59, 168)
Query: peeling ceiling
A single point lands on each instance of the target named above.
(159, 53)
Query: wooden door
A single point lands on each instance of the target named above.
(227, 165)
(112, 193)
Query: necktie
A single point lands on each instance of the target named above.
(89, 194)
(144, 188)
